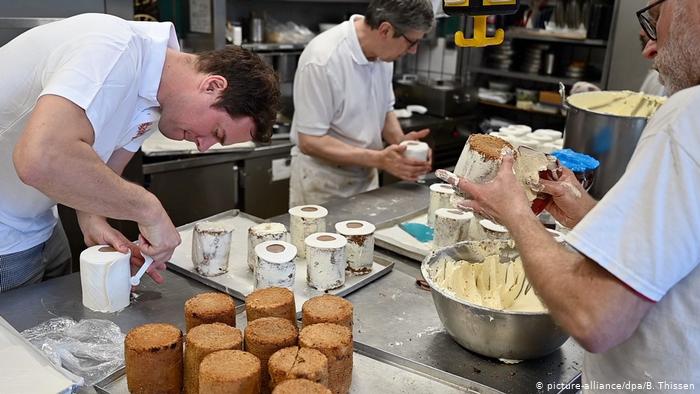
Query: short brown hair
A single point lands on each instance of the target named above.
(253, 87)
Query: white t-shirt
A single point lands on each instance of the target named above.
(646, 232)
(109, 67)
(338, 92)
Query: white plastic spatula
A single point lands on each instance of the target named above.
(136, 279)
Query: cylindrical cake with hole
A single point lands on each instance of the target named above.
(327, 308)
(325, 260)
(305, 220)
(229, 371)
(300, 386)
(203, 340)
(210, 308)
(335, 342)
(275, 266)
(359, 250)
(265, 336)
(440, 194)
(271, 302)
(451, 226)
(298, 363)
(264, 232)
(153, 359)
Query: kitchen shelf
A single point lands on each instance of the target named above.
(528, 34)
(527, 76)
(514, 108)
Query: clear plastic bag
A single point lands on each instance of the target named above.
(287, 33)
(90, 348)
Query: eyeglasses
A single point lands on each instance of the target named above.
(412, 43)
(647, 20)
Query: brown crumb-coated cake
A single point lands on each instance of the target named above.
(264, 336)
(229, 372)
(202, 341)
(489, 146)
(298, 363)
(210, 308)
(300, 386)
(327, 308)
(153, 359)
(335, 342)
(271, 302)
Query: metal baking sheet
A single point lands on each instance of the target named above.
(389, 236)
(368, 376)
(238, 281)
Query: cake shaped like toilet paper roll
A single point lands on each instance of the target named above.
(359, 250)
(275, 265)
(451, 226)
(415, 150)
(325, 260)
(264, 232)
(105, 278)
(440, 194)
(211, 245)
(305, 220)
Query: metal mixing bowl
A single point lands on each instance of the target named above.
(490, 332)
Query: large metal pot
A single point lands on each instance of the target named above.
(505, 335)
(609, 138)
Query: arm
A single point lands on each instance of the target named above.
(389, 159)
(597, 309)
(55, 156)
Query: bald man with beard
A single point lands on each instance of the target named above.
(626, 287)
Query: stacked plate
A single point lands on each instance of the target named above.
(532, 58)
(501, 57)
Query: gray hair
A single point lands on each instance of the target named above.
(404, 15)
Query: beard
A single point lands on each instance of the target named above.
(677, 60)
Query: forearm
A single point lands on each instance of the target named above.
(392, 132)
(72, 174)
(338, 152)
(585, 299)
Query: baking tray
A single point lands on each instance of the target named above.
(368, 376)
(238, 281)
(389, 236)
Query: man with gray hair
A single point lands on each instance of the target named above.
(343, 101)
(626, 287)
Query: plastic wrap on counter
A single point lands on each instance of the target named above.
(91, 348)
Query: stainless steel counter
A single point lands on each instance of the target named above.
(395, 321)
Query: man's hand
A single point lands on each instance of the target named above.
(158, 238)
(570, 201)
(393, 162)
(502, 199)
(97, 231)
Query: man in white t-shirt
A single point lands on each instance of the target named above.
(343, 103)
(628, 290)
(77, 98)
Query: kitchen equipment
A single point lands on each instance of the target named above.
(256, 29)
(611, 139)
(441, 98)
(480, 10)
(287, 66)
(505, 335)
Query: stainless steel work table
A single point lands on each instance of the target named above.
(395, 321)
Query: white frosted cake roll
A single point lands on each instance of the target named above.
(104, 278)
(325, 260)
(275, 265)
(211, 245)
(359, 251)
(416, 150)
(451, 226)
(264, 232)
(305, 220)
(440, 194)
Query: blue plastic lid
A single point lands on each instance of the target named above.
(576, 162)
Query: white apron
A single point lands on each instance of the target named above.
(315, 181)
